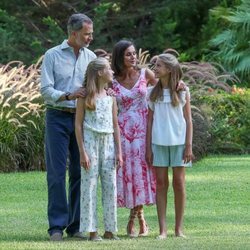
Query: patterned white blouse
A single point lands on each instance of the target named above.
(101, 119)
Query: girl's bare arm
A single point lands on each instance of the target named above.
(149, 154)
(188, 154)
(80, 112)
(117, 137)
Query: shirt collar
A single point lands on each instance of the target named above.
(65, 45)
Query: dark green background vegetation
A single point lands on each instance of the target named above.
(217, 30)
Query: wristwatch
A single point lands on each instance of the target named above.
(67, 96)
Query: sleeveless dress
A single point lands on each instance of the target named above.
(136, 183)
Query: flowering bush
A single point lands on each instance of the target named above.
(229, 118)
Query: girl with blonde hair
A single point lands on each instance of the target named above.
(98, 138)
(169, 138)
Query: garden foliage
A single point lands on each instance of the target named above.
(229, 118)
(221, 113)
(231, 45)
(21, 118)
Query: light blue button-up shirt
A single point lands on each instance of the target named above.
(62, 72)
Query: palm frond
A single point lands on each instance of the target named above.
(243, 66)
(226, 37)
(233, 43)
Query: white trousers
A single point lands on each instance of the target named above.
(101, 151)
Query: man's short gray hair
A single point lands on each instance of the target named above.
(76, 21)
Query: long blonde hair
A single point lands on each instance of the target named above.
(91, 81)
(173, 65)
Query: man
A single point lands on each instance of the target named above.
(62, 76)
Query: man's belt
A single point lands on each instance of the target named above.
(64, 109)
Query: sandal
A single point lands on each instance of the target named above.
(131, 225)
(143, 225)
(96, 237)
(110, 236)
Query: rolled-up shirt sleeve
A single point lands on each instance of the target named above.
(49, 93)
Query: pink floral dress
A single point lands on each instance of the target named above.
(136, 184)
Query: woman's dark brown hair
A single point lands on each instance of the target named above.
(117, 63)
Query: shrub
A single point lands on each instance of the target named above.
(201, 135)
(229, 116)
(21, 129)
(204, 79)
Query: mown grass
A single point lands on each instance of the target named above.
(217, 211)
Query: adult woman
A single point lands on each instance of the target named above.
(136, 184)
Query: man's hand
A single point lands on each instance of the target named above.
(81, 92)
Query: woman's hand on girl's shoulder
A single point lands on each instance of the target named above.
(110, 92)
(181, 86)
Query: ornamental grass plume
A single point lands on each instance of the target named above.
(21, 113)
(143, 57)
(205, 77)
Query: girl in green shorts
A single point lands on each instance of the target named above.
(169, 138)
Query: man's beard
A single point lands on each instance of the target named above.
(81, 44)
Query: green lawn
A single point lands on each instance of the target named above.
(216, 215)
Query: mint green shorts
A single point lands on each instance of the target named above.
(169, 156)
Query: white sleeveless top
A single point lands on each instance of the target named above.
(100, 120)
(169, 124)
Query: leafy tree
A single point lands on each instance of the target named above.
(14, 39)
(102, 31)
(154, 25)
(160, 32)
(232, 44)
(17, 43)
